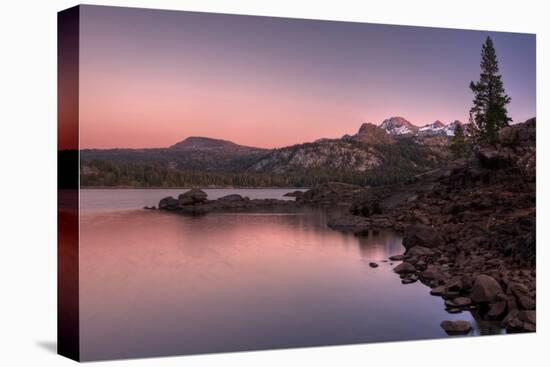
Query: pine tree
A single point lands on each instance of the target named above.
(489, 114)
(458, 142)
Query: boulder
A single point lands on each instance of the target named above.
(511, 302)
(231, 198)
(461, 301)
(437, 291)
(527, 303)
(404, 268)
(431, 273)
(409, 280)
(373, 265)
(420, 251)
(486, 290)
(519, 322)
(514, 325)
(396, 257)
(508, 136)
(421, 235)
(168, 203)
(467, 282)
(513, 314)
(521, 293)
(457, 327)
(330, 192)
(193, 196)
(455, 285)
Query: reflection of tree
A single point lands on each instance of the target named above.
(379, 245)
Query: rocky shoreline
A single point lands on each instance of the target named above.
(469, 228)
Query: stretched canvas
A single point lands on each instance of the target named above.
(233, 183)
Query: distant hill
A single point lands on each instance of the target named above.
(203, 144)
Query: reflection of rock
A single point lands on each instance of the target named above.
(350, 223)
(458, 327)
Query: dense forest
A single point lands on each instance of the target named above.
(124, 168)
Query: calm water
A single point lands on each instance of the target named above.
(155, 283)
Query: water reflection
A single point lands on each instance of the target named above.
(155, 283)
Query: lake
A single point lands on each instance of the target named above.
(155, 283)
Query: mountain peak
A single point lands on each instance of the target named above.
(398, 125)
(395, 121)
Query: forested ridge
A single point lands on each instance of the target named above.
(169, 168)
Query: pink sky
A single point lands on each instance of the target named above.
(153, 78)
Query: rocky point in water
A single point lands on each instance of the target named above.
(196, 202)
(469, 229)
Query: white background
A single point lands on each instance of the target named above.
(28, 181)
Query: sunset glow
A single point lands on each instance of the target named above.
(152, 78)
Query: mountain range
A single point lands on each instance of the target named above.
(375, 154)
(399, 126)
